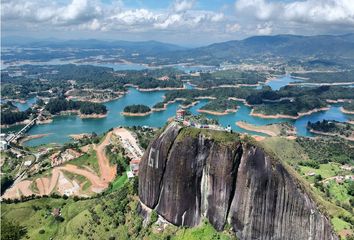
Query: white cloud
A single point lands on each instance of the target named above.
(307, 11)
(94, 25)
(260, 8)
(264, 29)
(231, 28)
(183, 5)
(94, 15)
(170, 20)
(327, 11)
(185, 18)
(77, 11)
(136, 16)
(217, 17)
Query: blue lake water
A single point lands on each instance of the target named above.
(61, 127)
(280, 82)
(25, 106)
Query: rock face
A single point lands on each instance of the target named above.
(188, 174)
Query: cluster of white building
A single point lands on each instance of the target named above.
(4, 144)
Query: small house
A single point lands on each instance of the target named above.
(56, 212)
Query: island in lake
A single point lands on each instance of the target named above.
(219, 107)
(332, 128)
(136, 110)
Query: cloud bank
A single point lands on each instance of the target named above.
(182, 20)
(308, 11)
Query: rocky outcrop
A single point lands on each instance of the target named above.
(190, 174)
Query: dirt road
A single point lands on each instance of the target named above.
(20, 188)
(108, 172)
(46, 185)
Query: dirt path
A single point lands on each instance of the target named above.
(20, 188)
(108, 172)
(97, 185)
(46, 185)
(335, 177)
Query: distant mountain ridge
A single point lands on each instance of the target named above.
(278, 45)
(323, 47)
(143, 47)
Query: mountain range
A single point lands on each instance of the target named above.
(260, 47)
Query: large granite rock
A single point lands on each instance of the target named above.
(188, 177)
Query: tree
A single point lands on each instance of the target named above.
(351, 188)
(40, 102)
(6, 182)
(154, 216)
(12, 230)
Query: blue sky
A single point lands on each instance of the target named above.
(186, 22)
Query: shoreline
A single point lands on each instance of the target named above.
(205, 97)
(165, 104)
(46, 121)
(227, 111)
(24, 122)
(128, 114)
(158, 109)
(22, 101)
(189, 105)
(31, 137)
(299, 115)
(79, 136)
(346, 111)
(80, 115)
(240, 100)
(94, 100)
(94, 115)
(340, 100)
(160, 89)
(154, 89)
(271, 130)
(331, 135)
(238, 85)
(254, 128)
(322, 84)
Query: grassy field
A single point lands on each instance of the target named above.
(88, 159)
(290, 151)
(339, 224)
(325, 170)
(205, 231)
(36, 215)
(119, 182)
(339, 191)
(83, 219)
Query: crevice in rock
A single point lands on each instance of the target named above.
(237, 161)
(200, 193)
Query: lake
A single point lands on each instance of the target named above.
(61, 127)
(280, 82)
